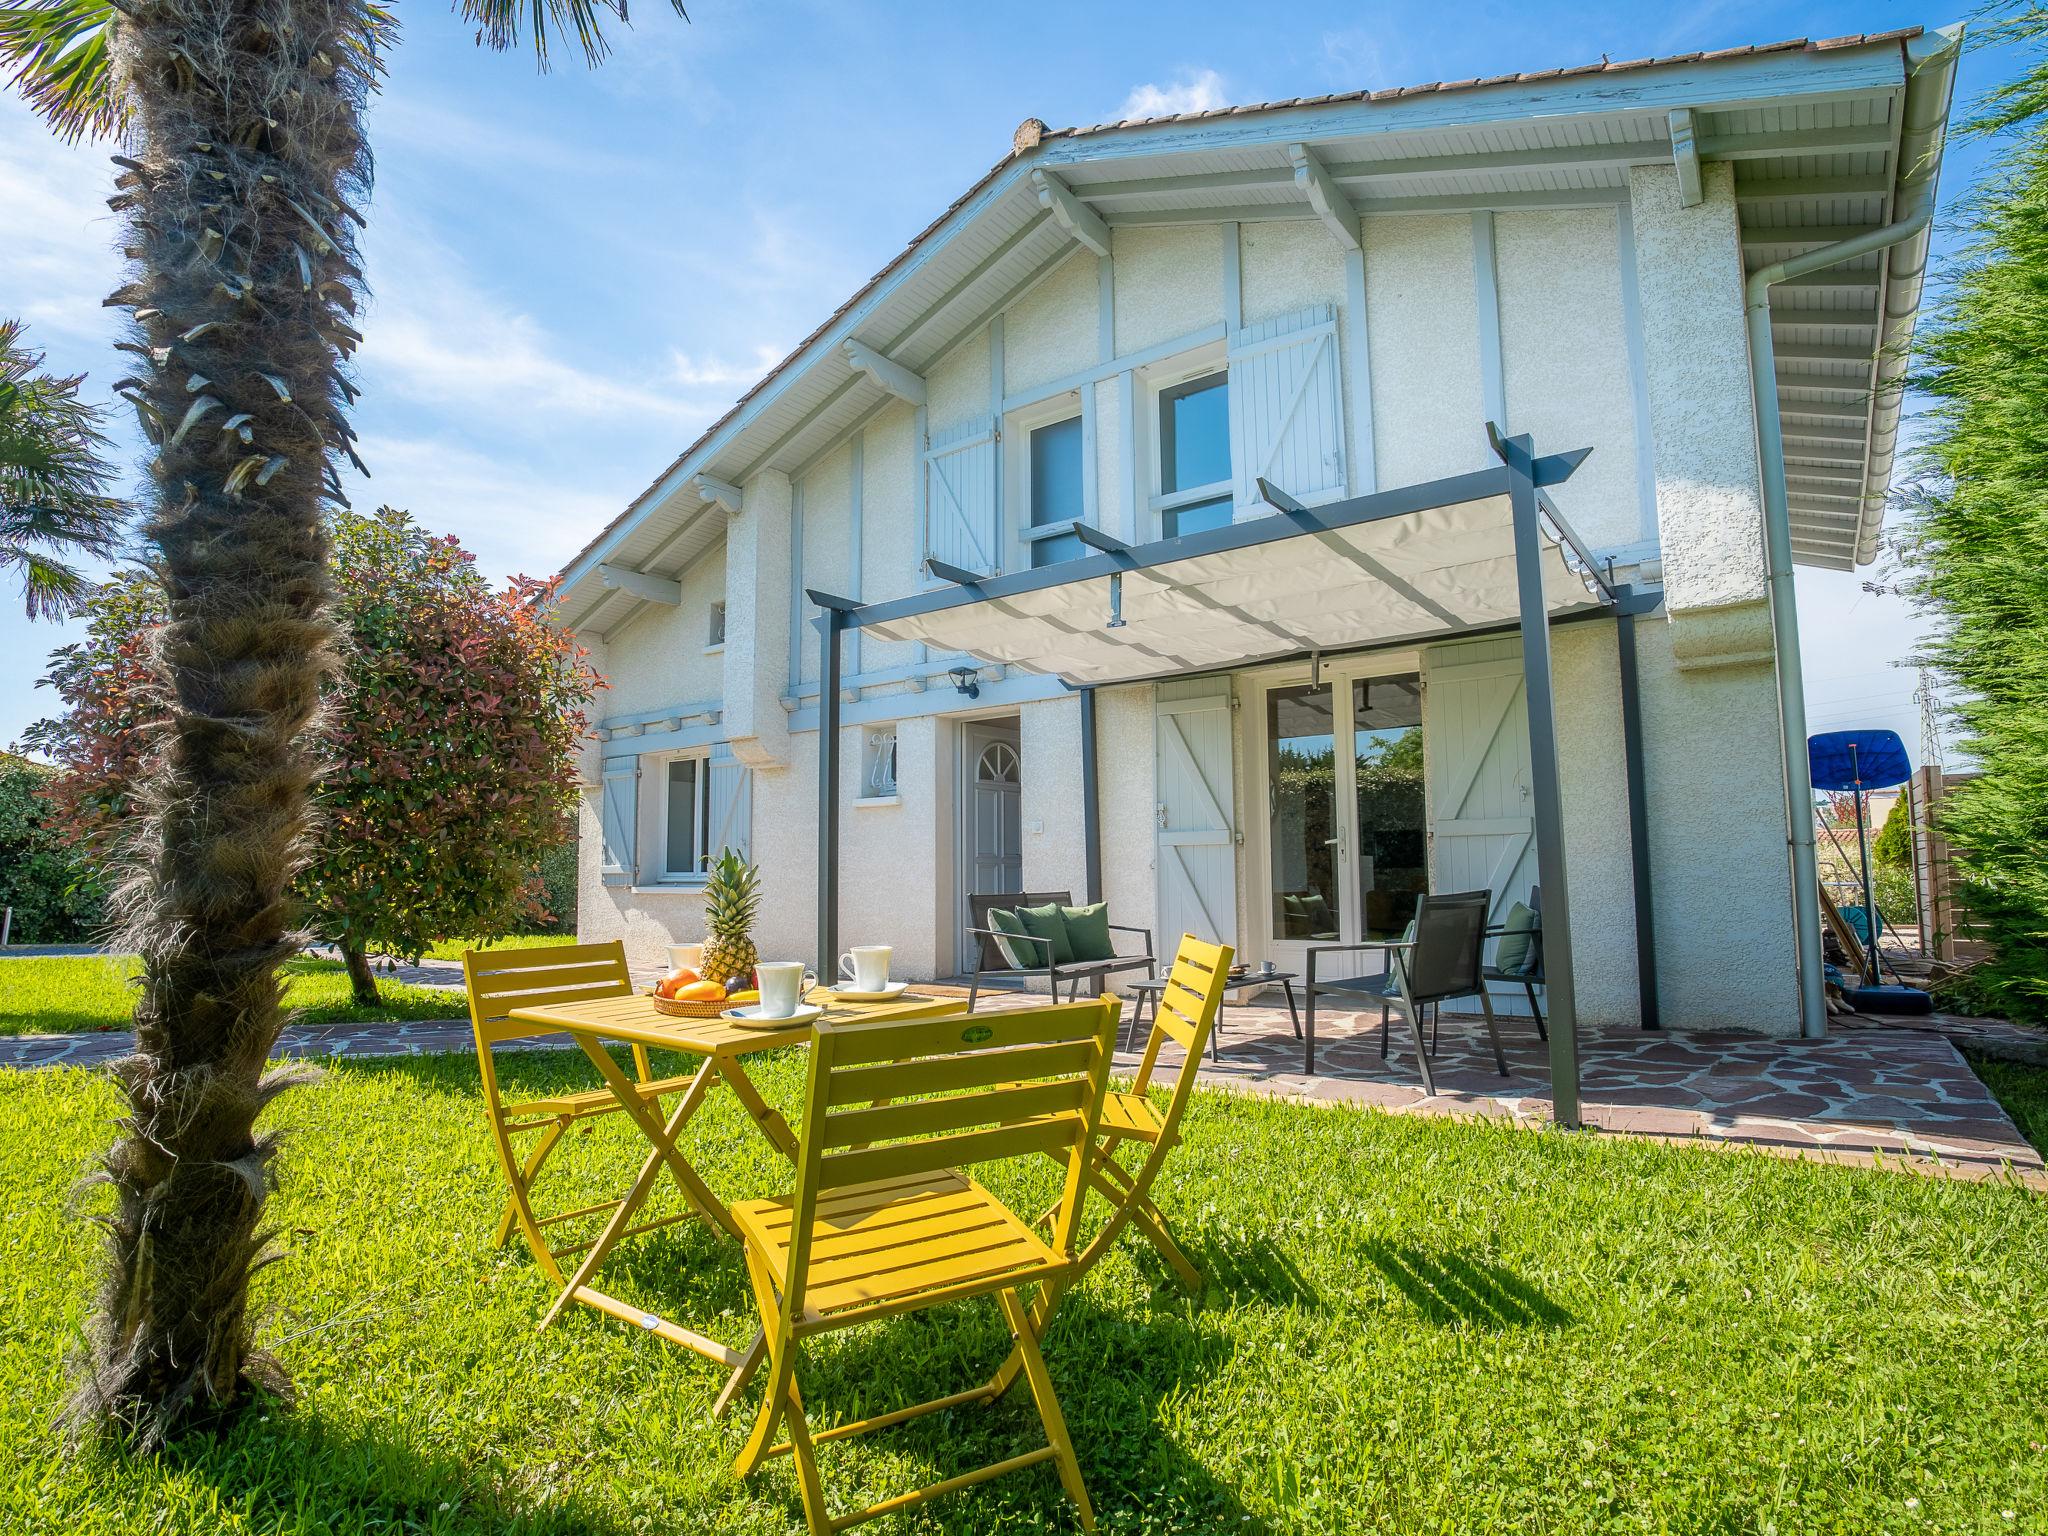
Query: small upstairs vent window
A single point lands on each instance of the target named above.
(878, 763)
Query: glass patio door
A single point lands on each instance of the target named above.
(1347, 838)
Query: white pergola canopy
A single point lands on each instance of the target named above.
(1422, 574)
(1471, 553)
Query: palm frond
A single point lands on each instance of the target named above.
(54, 590)
(500, 23)
(56, 52)
(53, 473)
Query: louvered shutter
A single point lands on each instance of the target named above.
(1287, 409)
(730, 808)
(618, 816)
(960, 498)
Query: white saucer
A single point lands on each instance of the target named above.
(847, 993)
(753, 1019)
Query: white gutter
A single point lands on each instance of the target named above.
(1930, 80)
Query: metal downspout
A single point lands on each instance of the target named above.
(1930, 78)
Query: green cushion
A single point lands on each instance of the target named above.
(1003, 920)
(1088, 931)
(1516, 951)
(1046, 923)
(1320, 918)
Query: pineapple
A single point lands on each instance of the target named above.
(731, 897)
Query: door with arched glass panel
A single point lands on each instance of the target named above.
(991, 817)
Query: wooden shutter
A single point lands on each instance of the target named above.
(1197, 837)
(1287, 409)
(730, 807)
(618, 817)
(1482, 828)
(960, 500)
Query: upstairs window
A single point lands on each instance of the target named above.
(717, 629)
(1194, 456)
(1055, 470)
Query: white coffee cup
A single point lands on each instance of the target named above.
(686, 957)
(866, 966)
(783, 985)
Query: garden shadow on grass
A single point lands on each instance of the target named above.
(1245, 1267)
(1449, 1287)
(289, 1471)
(1110, 1372)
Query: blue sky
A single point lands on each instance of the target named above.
(574, 273)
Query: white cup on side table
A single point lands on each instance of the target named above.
(686, 957)
(783, 985)
(866, 966)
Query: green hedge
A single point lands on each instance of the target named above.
(56, 897)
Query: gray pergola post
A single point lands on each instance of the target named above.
(832, 633)
(1518, 454)
(1638, 817)
(1091, 803)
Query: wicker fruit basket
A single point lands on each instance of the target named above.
(687, 1008)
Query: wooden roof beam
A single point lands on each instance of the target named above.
(644, 585)
(1685, 157)
(720, 493)
(1325, 196)
(892, 376)
(1070, 213)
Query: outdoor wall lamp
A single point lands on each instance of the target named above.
(967, 681)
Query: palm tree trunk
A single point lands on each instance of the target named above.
(362, 981)
(246, 118)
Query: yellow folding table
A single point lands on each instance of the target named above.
(724, 1046)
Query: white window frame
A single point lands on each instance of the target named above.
(1018, 426)
(1157, 380)
(700, 813)
(714, 629)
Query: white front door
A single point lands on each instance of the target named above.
(991, 820)
(1196, 856)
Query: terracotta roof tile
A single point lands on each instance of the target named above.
(1605, 66)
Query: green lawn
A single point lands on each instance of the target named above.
(61, 993)
(1411, 1326)
(451, 949)
(2023, 1090)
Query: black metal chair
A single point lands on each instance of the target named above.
(1442, 961)
(1529, 974)
(990, 959)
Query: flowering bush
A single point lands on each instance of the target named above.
(449, 726)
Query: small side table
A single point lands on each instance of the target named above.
(1149, 990)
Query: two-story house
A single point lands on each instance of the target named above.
(1124, 329)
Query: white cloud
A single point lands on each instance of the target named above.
(1192, 90)
(57, 260)
(441, 339)
(506, 511)
(708, 372)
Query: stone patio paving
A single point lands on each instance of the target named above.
(1870, 1093)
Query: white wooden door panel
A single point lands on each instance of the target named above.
(1482, 832)
(1196, 853)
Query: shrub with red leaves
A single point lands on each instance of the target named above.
(450, 731)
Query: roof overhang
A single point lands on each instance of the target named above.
(1424, 562)
(1813, 131)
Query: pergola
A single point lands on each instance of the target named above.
(1473, 554)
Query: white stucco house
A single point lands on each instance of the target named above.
(1123, 330)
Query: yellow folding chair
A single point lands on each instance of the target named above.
(499, 980)
(881, 1221)
(1187, 1015)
